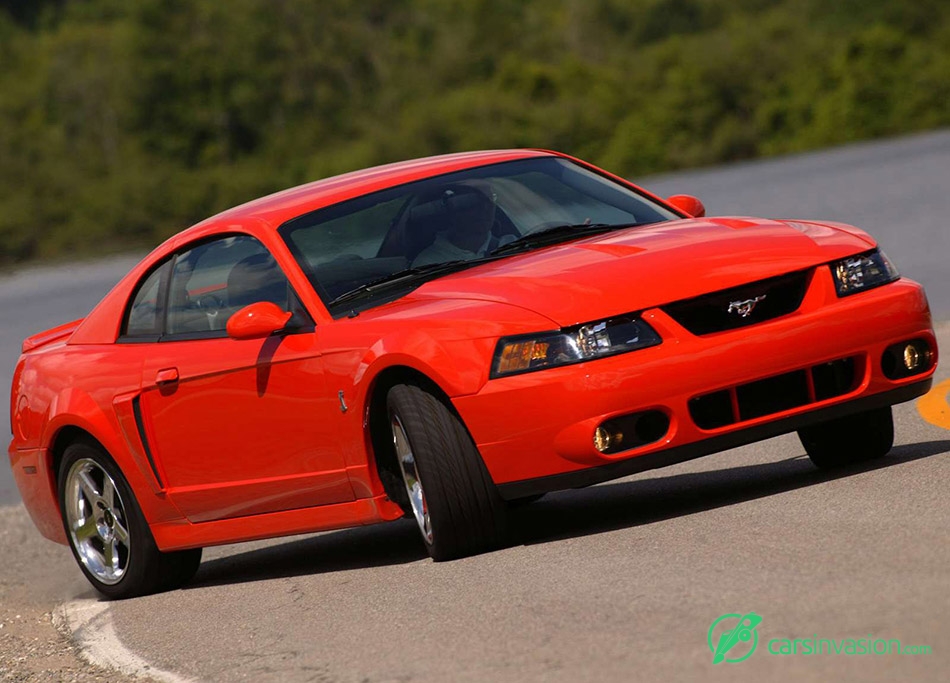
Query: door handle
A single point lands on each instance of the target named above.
(166, 376)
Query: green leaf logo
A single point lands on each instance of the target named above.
(738, 637)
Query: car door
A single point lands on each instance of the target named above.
(237, 427)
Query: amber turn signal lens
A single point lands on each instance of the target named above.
(517, 356)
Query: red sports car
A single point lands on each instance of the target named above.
(437, 338)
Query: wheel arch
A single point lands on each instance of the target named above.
(76, 416)
(64, 437)
(40, 489)
(378, 437)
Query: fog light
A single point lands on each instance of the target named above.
(911, 357)
(907, 358)
(625, 432)
(605, 440)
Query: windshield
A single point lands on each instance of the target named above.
(377, 247)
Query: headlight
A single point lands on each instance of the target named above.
(525, 353)
(865, 271)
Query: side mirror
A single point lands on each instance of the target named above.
(257, 321)
(688, 204)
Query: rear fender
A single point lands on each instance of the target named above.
(74, 408)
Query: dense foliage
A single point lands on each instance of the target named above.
(123, 122)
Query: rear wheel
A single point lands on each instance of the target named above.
(450, 493)
(107, 532)
(850, 439)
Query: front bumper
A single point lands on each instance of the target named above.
(535, 431)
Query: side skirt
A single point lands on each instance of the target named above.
(182, 534)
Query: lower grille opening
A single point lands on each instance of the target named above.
(833, 379)
(775, 394)
(712, 410)
(772, 395)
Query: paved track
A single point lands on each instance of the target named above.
(616, 582)
(613, 582)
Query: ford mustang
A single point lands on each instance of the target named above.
(437, 339)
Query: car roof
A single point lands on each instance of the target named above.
(272, 211)
(281, 206)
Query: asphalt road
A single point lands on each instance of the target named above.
(614, 582)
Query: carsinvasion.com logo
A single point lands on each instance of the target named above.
(732, 637)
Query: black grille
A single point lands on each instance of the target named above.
(774, 394)
(766, 299)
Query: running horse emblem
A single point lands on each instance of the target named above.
(744, 308)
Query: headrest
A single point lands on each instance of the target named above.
(256, 278)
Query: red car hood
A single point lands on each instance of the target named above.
(639, 268)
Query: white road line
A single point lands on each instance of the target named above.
(89, 624)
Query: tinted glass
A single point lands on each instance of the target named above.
(456, 216)
(143, 318)
(216, 279)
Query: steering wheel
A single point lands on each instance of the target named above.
(210, 305)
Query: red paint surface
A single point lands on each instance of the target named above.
(248, 438)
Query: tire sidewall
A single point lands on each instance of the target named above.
(466, 513)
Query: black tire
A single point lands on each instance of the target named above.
(178, 568)
(851, 439)
(465, 513)
(139, 567)
(518, 503)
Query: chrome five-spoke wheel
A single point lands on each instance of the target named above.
(410, 477)
(107, 531)
(97, 521)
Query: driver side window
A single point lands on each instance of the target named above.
(215, 279)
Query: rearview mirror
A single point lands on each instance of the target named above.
(257, 321)
(688, 204)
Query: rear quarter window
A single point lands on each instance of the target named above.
(143, 318)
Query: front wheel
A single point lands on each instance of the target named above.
(850, 439)
(107, 532)
(450, 493)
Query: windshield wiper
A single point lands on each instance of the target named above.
(407, 275)
(556, 233)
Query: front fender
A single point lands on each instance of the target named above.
(450, 342)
